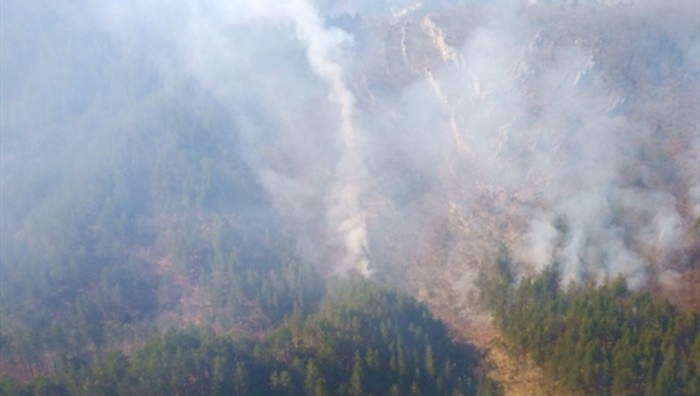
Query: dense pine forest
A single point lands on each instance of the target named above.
(599, 340)
(363, 340)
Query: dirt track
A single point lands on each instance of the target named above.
(518, 375)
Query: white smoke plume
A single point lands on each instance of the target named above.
(336, 193)
(430, 131)
(345, 215)
(555, 140)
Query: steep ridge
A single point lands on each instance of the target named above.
(471, 210)
(412, 146)
(546, 137)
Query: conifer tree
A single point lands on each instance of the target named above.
(357, 378)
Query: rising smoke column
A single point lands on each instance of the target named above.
(265, 92)
(345, 214)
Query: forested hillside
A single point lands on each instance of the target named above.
(191, 190)
(167, 229)
(363, 340)
(163, 232)
(599, 340)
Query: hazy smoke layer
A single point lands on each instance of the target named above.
(429, 131)
(278, 68)
(555, 124)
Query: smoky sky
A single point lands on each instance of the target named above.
(574, 125)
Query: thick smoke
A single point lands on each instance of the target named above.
(432, 132)
(247, 55)
(344, 212)
(552, 132)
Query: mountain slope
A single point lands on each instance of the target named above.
(211, 163)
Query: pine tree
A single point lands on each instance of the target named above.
(356, 381)
(415, 389)
(371, 359)
(241, 379)
(429, 361)
(312, 376)
(320, 388)
(664, 383)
